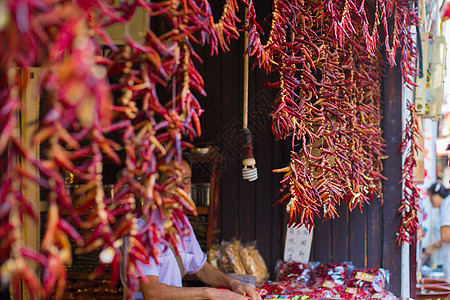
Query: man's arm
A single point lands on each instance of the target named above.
(214, 277)
(445, 237)
(153, 289)
(445, 234)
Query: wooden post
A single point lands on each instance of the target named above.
(28, 125)
(392, 188)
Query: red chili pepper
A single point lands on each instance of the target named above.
(409, 208)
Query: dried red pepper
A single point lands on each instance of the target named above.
(328, 59)
(409, 208)
(84, 126)
(315, 47)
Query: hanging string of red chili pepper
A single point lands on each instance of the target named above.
(409, 209)
(84, 126)
(320, 104)
(405, 17)
(329, 63)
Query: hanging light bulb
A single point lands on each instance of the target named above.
(249, 171)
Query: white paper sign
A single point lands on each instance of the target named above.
(298, 244)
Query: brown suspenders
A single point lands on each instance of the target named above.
(179, 261)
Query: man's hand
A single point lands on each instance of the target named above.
(223, 294)
(243, 289)
(213, 277)
(432, 248)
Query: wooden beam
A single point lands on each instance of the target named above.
(392, 188)
(28, 125)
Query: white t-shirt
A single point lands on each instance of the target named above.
(444, 220)
(168, 270)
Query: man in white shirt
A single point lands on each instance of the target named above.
(164, 280)
(440, 198)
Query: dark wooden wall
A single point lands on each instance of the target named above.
(247, 212)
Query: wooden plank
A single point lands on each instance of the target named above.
(358, 237)
(322, 241)
(413, 270)
(28, 126)
(280, 153)
(264, 204)
(392, 190)
(246, 210)
(201, 210)
(280, 157)
(339, 231)
(264, 195)
(214, 204)
(374, 235)
(211, 119)
(267, 217)
(212, 104)
(4, 289)
(229, 143)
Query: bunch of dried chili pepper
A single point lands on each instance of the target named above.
(84, 126)
(409, 209)
(328, 104)
(329, 62)
(76, 110)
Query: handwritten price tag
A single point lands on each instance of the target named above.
(298, 244)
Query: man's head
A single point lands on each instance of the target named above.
(186, 173)
(437, 193)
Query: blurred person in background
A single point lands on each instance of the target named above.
(439, 198)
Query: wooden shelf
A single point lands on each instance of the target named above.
(208, 161)
(207, 156)
(201, 210)
(85, 276)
